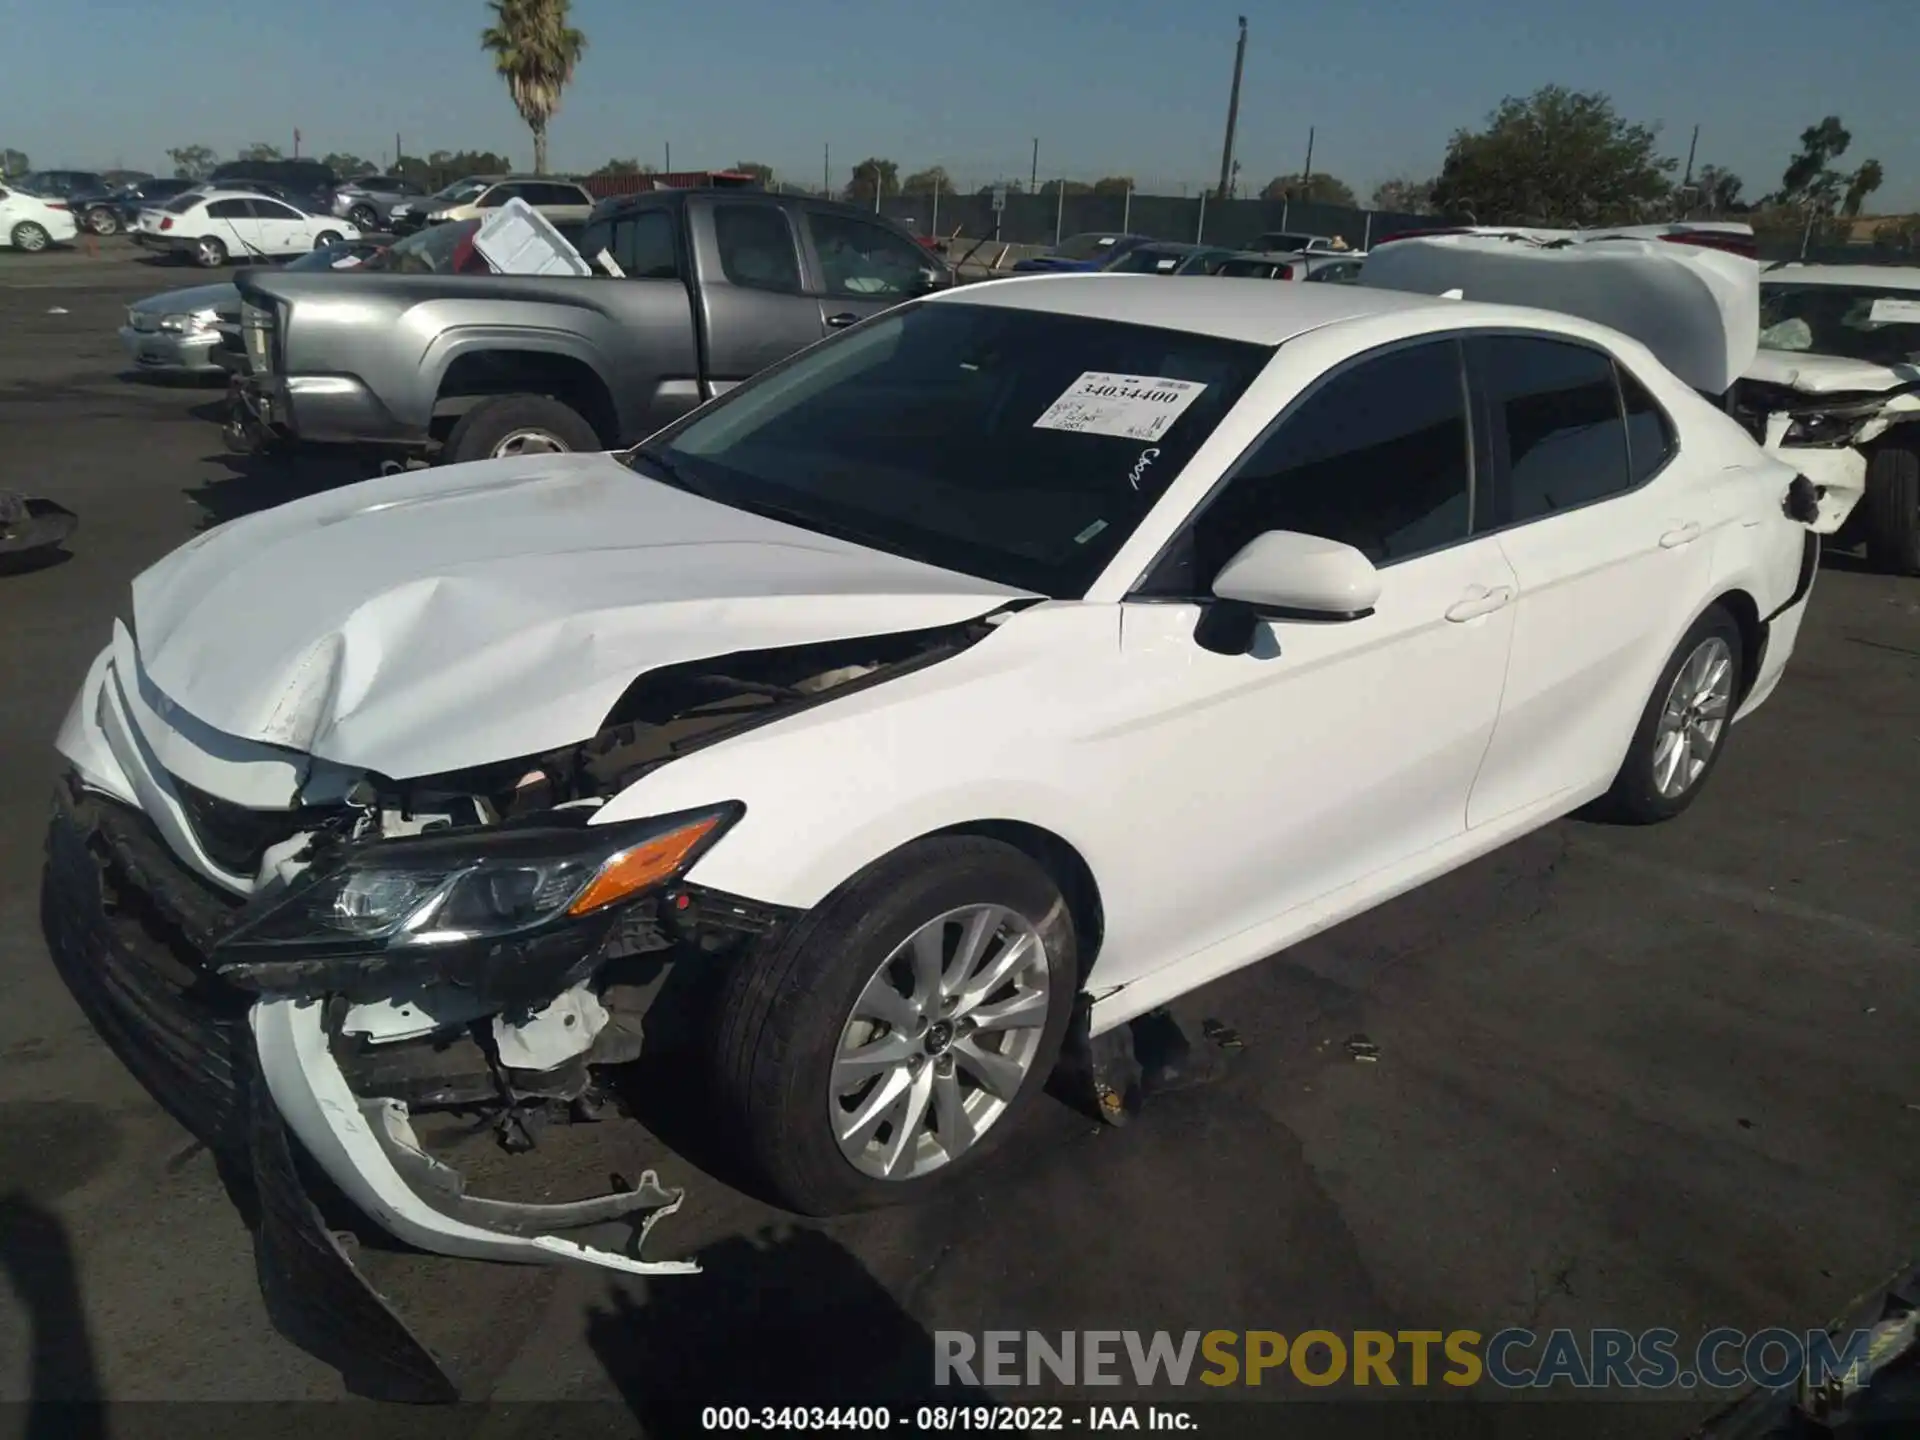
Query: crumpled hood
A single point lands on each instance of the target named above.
(450, 617)
(185, 302)
(1826, 374)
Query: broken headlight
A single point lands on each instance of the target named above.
(1820, 430)
(446, 888)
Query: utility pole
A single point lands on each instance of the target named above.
(1033, 175)
(668, 145)
(1233, 110)
(826, 170)
(1306, 175)
(1692, 145)
(397, 151)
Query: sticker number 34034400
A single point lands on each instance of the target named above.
(1131, 407)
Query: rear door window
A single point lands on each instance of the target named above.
(1557, 414)
(228, 210)
(756, 246)
(642, 243)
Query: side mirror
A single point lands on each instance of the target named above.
(1284, 575)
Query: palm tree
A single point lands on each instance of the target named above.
(536, 50)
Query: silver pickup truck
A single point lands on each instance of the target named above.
(712, 287)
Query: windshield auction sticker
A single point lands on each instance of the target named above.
(1887, 310)
(1132, 407)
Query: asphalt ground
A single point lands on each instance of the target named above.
(1625, 1078)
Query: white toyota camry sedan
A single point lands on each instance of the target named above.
(1019, 659)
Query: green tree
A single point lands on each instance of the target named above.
(536, 51)
(1068, 187)
(1318, 188)
(1013, 187)
(259, 150)
(443, 167)
(624, 167)
(761, 173)
(1715, 191)
(1812, 183)
(14, 162)
(1113, 185)
(348, 166)
(934, 179)
(1404, 197)
(871, 172)
(192, 162)
(1555, 157)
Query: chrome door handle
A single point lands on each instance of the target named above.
(1681, 535)
(841, 322)
(1480, 601)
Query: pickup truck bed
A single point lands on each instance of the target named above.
(717, 286)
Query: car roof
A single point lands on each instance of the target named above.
(1872, 277)
(1255, 311)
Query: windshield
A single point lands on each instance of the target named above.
(461, 191)
(1854, 322)
(1017, 445)
(1149, 260)
(439, 250)
(1086, 247)
(1247, 269)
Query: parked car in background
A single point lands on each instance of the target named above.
(1295, 242)
(1836, 382)
(179, 332)
(1332, 269)
(719, 284)
(1167, 257)
(212, 227)
(1094, 250)
(309, 184)
(58, 184)
(368, 200)
(560, 201)
(98, 210)
(31, 222)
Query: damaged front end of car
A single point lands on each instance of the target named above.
(385, 958)
(1824, 436)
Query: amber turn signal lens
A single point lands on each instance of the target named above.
(646, 864)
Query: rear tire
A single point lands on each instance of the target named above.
(103, 222)
(1657, 781)
(1892, 503)
(364, 219)
(518, 425)
(788, 1016)
(326, 238)
(209, 252)
(30, 237)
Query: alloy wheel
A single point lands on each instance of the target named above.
(529, 442)
(940, 1042)
(30, 238)
(1693, 718)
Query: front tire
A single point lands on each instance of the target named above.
(209, 252)
(518, 425)
(890, 1042)
(30, 237)
(1684, 727)
(1892, 504)
(326, 238)
(103, 222)
(364, 219)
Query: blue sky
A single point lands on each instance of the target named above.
(1108, 86)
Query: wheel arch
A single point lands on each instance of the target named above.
(1753, 635)
(485, 371)
(1063, 862)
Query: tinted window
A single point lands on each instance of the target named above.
(1149, 260)
(1650, 438)
(1345, 272)
(756, 246)
(273, 210)
(180, 204)
(640, 241)
(564, 195)
(1091, 246)
(1253, 270)
(920, 434)
(859, 258)
(228, 209)
(1378, 458)
(1565, 443)
(498, 195)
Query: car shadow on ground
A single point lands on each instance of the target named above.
(176, 380)
(259, 482)
(63, 1385)
(774, 1319)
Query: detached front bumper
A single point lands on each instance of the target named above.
(258, 1083)
(166, 351)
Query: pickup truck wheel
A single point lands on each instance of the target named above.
(209, 253)
(890, 1040)
(1893, 511)
(518, 425)
(30, 237)
(1684, 727)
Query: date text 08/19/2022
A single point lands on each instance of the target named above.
(943, 1419)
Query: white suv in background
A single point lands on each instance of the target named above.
(561, 201)
(214, 226)
(30, 223)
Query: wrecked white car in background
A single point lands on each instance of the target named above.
(1836, 385)
(1691, 292)
(961, 689)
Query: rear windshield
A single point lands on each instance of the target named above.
(183, 202)
(1250, 269)
(1869, 323)
(1085, 247)
(438, 250)
(1017, 445)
